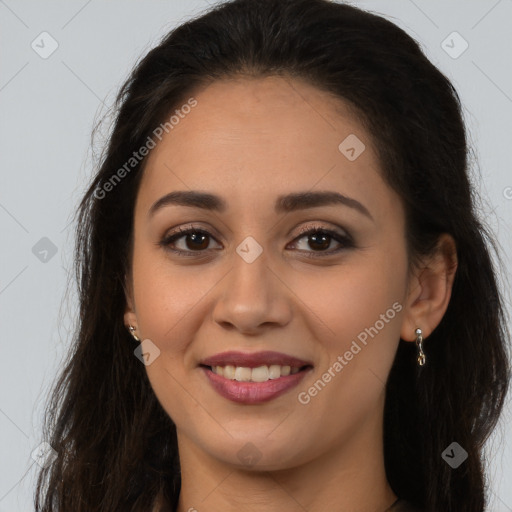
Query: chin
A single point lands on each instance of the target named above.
(259, 452)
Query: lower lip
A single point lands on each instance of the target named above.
(251, 393)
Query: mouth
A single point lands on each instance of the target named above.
(254, 378)
(262, 373)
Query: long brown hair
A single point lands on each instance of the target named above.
(116, 446)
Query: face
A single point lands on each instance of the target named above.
(274, 281)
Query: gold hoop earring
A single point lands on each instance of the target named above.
(132, 332)
(421, 359)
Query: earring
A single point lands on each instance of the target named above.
(132, 332)
(419, 343)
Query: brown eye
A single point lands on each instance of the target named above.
(320, 239)
(195, 240)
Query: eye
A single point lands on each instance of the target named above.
(319, 239)
(195, 241)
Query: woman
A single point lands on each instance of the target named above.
(287, 301)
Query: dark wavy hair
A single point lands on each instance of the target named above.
(116, 446)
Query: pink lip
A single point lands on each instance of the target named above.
(252, 393)
(254, 360)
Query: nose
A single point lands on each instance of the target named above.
(253, 298)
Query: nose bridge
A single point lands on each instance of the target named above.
(251, 270)
(252, 294)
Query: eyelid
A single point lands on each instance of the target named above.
(319, 227)
(191, 227)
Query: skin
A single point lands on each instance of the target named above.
(249, 140)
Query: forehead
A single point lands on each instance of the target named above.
(256, 138)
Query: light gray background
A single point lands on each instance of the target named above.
(47, 110)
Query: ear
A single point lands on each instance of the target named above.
(130, 317)
(429, 291)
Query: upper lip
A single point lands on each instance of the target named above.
(254, 360)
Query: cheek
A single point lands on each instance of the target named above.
(358, 327)
(165, 297)
(350, 298)
(171, 299)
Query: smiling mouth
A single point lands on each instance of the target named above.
(261, 373)
(254, 385)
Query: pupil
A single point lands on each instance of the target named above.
(314, 238)
(196, 237)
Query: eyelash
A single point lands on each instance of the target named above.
(345, 240)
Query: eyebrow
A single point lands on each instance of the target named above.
(284, 203)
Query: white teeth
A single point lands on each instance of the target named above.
(229, 372)
(242, 374)
(260, 374)
(274, 371)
